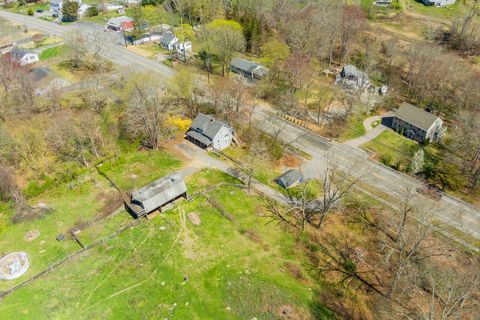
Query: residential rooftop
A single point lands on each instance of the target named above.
(415, 116)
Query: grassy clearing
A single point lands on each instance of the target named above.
(53, 52)
(138, 168)
(34, 6)
(73, 203)
(447, 12)
(392, 147)
(353, 129)
(148, 50)
(234, 270)
(265, 171)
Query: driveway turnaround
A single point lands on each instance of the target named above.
(371, 132)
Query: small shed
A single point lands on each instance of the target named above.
(157, 194)
(289, 179)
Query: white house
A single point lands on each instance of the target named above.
(183, 47)
(207, 132)
(23, 57)
(57, 5)
(168, 41)
(131, 3)
(438, 3)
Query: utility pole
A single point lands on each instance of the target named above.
(124, 37)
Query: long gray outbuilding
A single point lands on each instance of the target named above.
(157, 194)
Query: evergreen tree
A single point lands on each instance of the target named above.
(70, 11)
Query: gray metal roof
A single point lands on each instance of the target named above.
(18, 53)
(415, 116)
(244, 65)
(38, 74)
(167, 38)
(261, 71)
(159, 192)
(351, 70)
(289, 178)
(199, 137)
(206, 125)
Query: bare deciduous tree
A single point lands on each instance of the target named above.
(304, 208)
(94, 94)
(351, 23)
(452, 295)
(147, 114)
(77, 138)
(182, 88)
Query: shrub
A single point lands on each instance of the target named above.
(92, 12)
(386, 159)
(396, 5)
(30, 12)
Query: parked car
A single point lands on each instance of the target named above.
(430, 191)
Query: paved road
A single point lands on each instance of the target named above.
(453, 211)
(113, 50)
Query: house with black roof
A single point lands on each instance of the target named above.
(249, 69)
(208, 132)
(352, 78)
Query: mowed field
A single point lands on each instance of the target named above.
(190, 263)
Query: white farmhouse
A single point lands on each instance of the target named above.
(207, 132)
(168, 41)
(438, 3)
(23, 57)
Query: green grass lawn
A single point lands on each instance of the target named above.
(234, 270)
(73, 203)
(447, 12)
(393, 146)
(353, 128)
(264, 171)
(53, 52)
(34, 6)
(138, 168)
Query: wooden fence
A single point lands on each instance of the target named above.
(86, 248)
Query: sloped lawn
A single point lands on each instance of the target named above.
(171, 268)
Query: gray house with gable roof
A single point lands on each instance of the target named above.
(207, 132)
(352, 78)
(415, 123)
(289, 179)
(249, 69)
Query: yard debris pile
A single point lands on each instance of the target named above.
(31, 235)
(29, 213)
